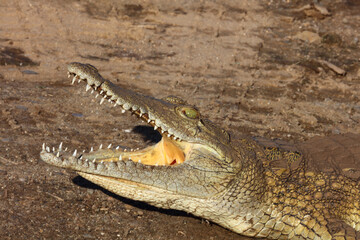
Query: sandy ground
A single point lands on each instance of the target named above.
(279, 69)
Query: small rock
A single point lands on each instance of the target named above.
(308, 36)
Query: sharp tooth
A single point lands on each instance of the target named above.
(149, 120)
(86, 159)
(162, 131)
(117, 148)
(79, 80)
(58, 154)
(140, 114)
(83, 150)
(94, 160)
(96, 87)
(109, 100)
(47, 149)
(81, 157)
(120, 157)
(115, 104)
(74, 154)
(100, 147)
(60, 146)
(96, 95)
(69, 74)
(92, 91)
(123, 111)
(73, 80)
(102, 100)
(65, 149)
(155, 127)
(109, 145)
(101, 92)
(87, 87)
(43, 146)
(169, 135)
(91, 149)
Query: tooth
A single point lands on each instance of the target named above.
(86, 159)
(96, 87)
(102, 100)
(169, 135)
(96, 95)
(60, 146)
(109, 100)
(155, 127)
(117, 148)
(43, 146)
(58, 154)
(81, 157)
(109, 145)
(79, 80)
(101, 92)
(47, 149)
(87, 87)
(94, 160)
(123, 111)
(73, 80)
(92, 91)
(115, 104)
(69, 74)
(53, 149)
(91, 149)
(83, 150)
(139, 161)
(100, 147)
(66, 149)
(140, 114)
(120, 157)
(74, 154)
(162, 131)
(149, 120)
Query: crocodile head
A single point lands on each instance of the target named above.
(187, 170)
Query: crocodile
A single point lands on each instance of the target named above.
(233, 180)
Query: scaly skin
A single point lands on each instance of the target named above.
(202, 169)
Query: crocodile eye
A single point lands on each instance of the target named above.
(189, 112)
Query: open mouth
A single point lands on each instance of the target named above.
(171, 150)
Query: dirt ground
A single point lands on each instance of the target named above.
(279, 69)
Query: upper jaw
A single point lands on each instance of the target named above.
(146, 108)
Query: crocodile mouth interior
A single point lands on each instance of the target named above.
(171, 150)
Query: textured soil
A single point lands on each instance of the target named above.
(279, 69)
